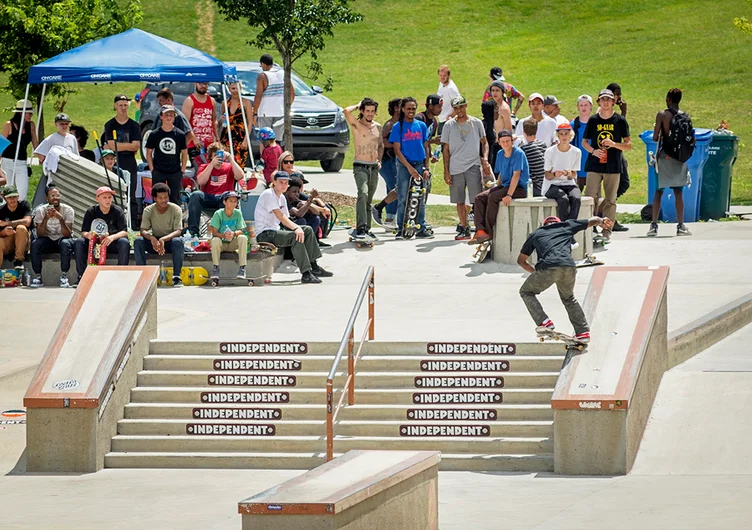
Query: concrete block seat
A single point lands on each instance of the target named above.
(516, 222)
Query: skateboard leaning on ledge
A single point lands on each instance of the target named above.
(568, 340)
(481, 251)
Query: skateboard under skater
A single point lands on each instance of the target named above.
(416, 192)
(97, 254)
(568, 340)
(588, 261)
(481, 251)
(364, 241)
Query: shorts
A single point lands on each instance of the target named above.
(275, 123)
(671, 172)
(470, 179)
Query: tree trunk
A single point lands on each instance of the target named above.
(288, 104)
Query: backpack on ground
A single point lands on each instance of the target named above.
(680, 141)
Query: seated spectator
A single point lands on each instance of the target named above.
(226, 229)
(534, 151)
(116, 235)
(562, 162)
(161, 231)
(82, 137)
(15, 221)
(302, 211)
(271, 211)
(215, 178)
(512, 173)
(54, 223)
(272, 152)
(318, 213)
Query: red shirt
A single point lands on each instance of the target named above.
(270, 156)
(220, 180)
(201, 120)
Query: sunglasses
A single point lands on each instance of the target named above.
(288, 161)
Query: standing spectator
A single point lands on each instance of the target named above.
(271, 211)
(410, 140)
(271, 153)
(624, 173)
(434, 106)
(496, 117)
(215, 178)
(552, 110)
(510, 91)
(15, 222)
(369, 147)
(166, 153)
(16, 171)
(161, 231)
(54, 224)
(546, 126)
(82, 137)
(620, 102)
(126, 146)
(237, 126)
(462, 165)
(447, 91)
(269, 100)
(61, 138)
(199, 109)
(535, 152)
(584, 107)
(388, 170)
(226, 228)
(513, 175)
(672, 173)
(606, 136)
(116, 236)
(166, 97)
(562, 163)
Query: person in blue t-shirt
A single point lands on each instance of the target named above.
(585, 107)
(410, 140)
(513, 174)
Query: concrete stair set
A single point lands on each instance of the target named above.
(196, 406)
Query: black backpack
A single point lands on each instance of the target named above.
(680, 141)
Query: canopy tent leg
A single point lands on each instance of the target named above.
(245, 123)
(227, 119)
(41, 105)
(20, 132)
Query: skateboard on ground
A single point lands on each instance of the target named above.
(97, 254)
(365, 241)
(416, 192)
(568, 340)
(481, 251)
(588, 261)
(12, 277)
(216, 281)
(188, 275)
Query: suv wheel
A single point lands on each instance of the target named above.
(333, 165)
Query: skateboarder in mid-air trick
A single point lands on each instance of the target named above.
(553, 245)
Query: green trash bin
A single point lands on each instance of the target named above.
(715, 197)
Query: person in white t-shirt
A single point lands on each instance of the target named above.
(62, 137)
(448, 91)
(546, 126)
(552, 110)
(562, 161)
(271, 211)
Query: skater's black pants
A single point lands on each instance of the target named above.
(568, 199)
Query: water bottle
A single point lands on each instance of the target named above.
(194, 242)
(187, 241)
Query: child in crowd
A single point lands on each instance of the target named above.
(226, 228)
(270, 153)
(562, 162)
(534, 151)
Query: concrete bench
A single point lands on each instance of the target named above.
(516, 222)
(360, 490)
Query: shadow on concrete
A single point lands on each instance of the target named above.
(430, 245)
(491, 267)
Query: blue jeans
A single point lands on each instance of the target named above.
(142, 247)
(403, 183)
(388, 172)
(200, 201)
(45, 245)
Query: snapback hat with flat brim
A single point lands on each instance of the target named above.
(104, 189)
(10, 191)
(281, 175)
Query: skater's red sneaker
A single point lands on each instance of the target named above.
(481, 236)
(583, 337)
(546, 325)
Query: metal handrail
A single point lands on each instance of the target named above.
(348, 339)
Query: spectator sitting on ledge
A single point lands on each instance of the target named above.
(15, 221)
(318, 209)
(226, 228)
(54, 222)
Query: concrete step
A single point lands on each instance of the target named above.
(313, 444)
(233, 412)
(498, 428)
(363, 380)
(369, 363)
(528, 463)
(207, 395)
(177, 347)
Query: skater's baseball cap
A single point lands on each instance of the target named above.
(121, 97)
(534, 95)
(281, 175)
(106, 152)
(564, 127)
(606, 93)
(505, 133)
(10, 191)
(298, 174)
(551, 100)
(497, 74)
(585, 97)
(62, 117)
(167, 108)
(551, 219)
(434, 99)
(104, 189)
(459, 101)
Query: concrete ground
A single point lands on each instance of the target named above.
(694, 470)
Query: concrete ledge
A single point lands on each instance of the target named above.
(516, 222)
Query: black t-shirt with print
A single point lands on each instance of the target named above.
(599, 129)
(126, 132)
(115, 219)
(22, 210)
(553, 243)
(167, 149)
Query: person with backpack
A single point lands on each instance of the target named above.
(676, 143)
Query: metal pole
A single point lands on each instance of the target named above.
(245, 122)
(41, 104)
(329, 421)
(227, 116)
(20, 132)
(372, 306)
(351, 368)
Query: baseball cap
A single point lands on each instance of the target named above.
(167, 108)
(62, 117)
(534, 95)
(226, 195)
(585, 97)
(564, 126)
(505, 133)
(299, 175)
(106, 152)
(104, 189)
(434, 99)
(21, 103)
(551, 100)
(551, 219)
(283, 175)
(497, 74)
(10, 191)
(459, 100)
(606, 93)
(121, 97)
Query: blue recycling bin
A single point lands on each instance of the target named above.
(696, 163)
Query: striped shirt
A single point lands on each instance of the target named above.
(535, 152)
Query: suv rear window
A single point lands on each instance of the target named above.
(249, 78)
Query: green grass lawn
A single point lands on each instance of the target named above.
(557, 48)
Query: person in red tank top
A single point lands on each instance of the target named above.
(199, 108)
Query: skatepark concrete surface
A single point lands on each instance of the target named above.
(694, 469)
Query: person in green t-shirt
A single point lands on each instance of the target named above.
(226, 228)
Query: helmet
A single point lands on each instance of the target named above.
(551, 219)
(265, 133)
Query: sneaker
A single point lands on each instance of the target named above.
(583, 337)
(606, 236)
(619, 227)
(37, 281)
(399, 236)
(318, 270)
(481, 236)
(241, 273)
(18, 264)
(372, 236)
(323, 244)
(214, 272)
(360, 233)
(470, 217)
(595, 230)
(308, 277)
(654, 230)
(176, 281)
(460, 229)
(376, 214)
(546, 325)
(390, 224)
(464, 234)
(64, 283)
(682, 230)
(424, 234)
(575, 245)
